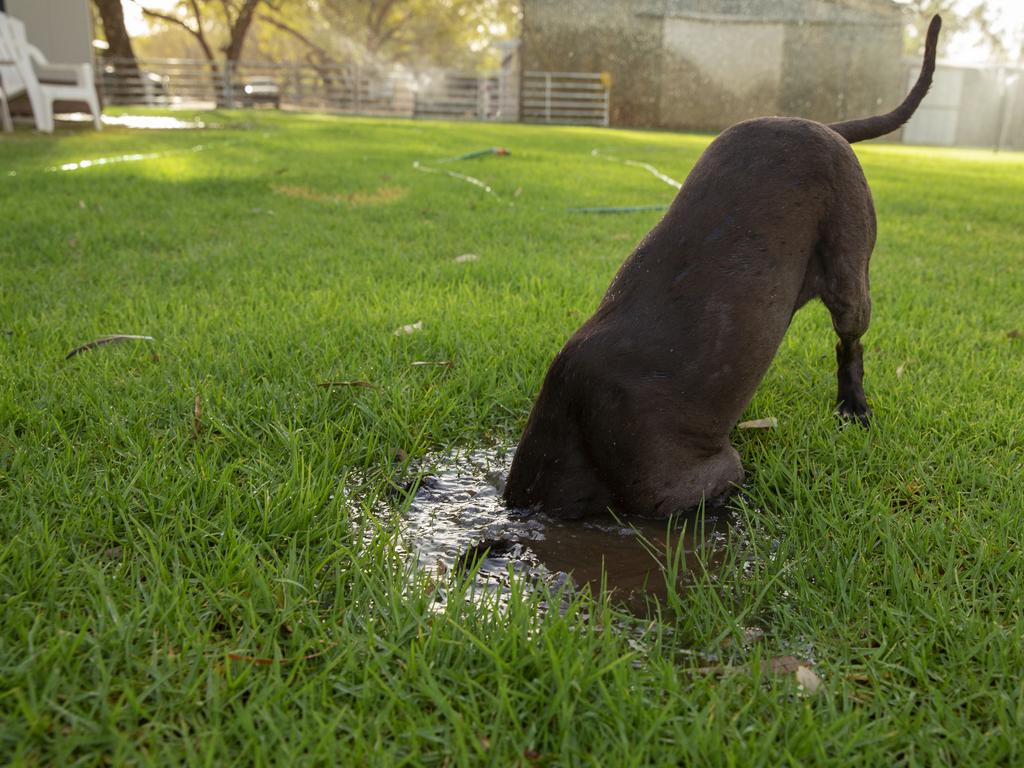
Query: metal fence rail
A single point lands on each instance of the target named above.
(564, 97)
(551, 97)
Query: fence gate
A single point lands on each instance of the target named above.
(579, 98)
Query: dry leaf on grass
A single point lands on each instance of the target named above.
(438, 363)
(466, 257)
(349, 383)
(263, 661)
(784, 665)
(777, 666)
(1014, 334)
(808, 680)
(411, 328)
(901, 369)
(769, 422)
(105, 340)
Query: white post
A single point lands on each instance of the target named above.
(547, 97)
(229, 88)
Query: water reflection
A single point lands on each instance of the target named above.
(129, 158)
(457, 519)
(141, 122)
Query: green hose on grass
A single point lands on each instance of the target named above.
(499, 151)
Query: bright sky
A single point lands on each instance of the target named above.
(964, 48)
(133, 18)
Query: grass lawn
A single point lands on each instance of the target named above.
(184, 566)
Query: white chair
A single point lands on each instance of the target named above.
(24, 69)
(5, 113)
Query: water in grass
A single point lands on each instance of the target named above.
(457, 520)
(138, 122)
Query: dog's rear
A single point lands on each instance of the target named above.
(636, 410)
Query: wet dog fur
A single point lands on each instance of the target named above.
(635, 412)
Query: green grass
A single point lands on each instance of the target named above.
(148, 569)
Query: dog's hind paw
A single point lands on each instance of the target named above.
(859, 412)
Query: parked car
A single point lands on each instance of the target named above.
(261, 90)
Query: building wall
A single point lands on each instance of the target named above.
(61, 29)
(1014, 132)
(599, 36)
(705, 64)
(969, 107)
(837, 71)
(703, 89)
(981, 108)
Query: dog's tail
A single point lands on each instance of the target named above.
(879, 125)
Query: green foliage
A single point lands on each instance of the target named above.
(445, 33)
(439, 32)
(957, 16)
(207, 585)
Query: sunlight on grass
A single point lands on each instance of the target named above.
(944, 154)
(194, 564)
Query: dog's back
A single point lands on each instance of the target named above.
(635, 411)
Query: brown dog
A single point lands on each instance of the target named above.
(635, 412)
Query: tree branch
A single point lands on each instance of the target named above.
(395, 29)
(302, 38)
(228, 7)
(198, 15)
(377, 23)
(239, 29)
(197, 34)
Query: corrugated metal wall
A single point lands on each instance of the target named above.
(970, 107)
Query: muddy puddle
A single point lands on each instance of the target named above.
(457, 519)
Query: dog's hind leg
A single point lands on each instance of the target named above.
(845, 291)
(552, 470)
(656, 466)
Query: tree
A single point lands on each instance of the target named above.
(437, 32)
(206, 21)
(979, 18)
(119, 53)
(196, 18)
(114, 30)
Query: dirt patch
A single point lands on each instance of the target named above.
(378, 196)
